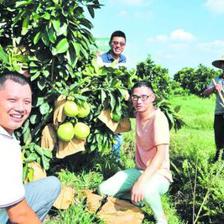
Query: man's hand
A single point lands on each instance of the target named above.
(218, 87)
(21, 213)
(137, 192)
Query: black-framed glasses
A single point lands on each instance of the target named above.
(118, 43)
(142, 97)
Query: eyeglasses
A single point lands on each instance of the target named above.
(118, 43)
(142, 97)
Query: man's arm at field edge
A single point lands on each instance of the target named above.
(215, 88)
(21, 213)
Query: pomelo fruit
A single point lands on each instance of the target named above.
(84, 110)
(70, 109)
(66, 131)
(81, 130)
(115, 117)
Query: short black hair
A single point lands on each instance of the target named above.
(15, 77)
(117, 33)
(142, 83)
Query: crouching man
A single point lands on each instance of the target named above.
(21, 204)
(151, 177)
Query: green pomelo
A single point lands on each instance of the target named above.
(81, 130)
(66, 131)
(70, 109)
(115, 117)
(84, 110)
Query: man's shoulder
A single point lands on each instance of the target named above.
(160, 116)
(106, 57)
(123, 59)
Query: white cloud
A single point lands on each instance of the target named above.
(142, 15)
(178, 46)
(159, 38)
(123, 13)
(181, 35)
(216, 6)
(214, 46)
(132, 2)
(176, 35)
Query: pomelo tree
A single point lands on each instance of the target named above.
(50, 41)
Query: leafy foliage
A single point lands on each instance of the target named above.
(200, 186)
(162, 86)
(195, 80)
(51, 39)
(156, 75)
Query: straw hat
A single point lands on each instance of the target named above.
(219, 63)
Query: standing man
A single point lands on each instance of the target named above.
(19, 204)
(151, 176)
(114, 57)
(217, 87)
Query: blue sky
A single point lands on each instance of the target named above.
(176, 33)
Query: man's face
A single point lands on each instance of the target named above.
(15, 105)
(117, 45)
(142, 98)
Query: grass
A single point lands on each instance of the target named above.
(196, 138)
(194, 141)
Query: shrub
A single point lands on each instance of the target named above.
(195, 80)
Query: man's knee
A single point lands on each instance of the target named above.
(54, 186)
(102, 189)
(149, 194)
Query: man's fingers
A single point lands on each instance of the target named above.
(135, 198)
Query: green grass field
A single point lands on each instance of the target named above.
(194, 142)
(196, 138)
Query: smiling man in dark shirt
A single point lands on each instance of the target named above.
(114, 55)
(115, 58)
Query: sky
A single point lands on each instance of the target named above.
(175, 33)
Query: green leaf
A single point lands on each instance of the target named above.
(44, 108)
(32, 157)
(38, 149)
(51, 35)
(47, 153)
(27, 138)
(77, 48)
(112, 101)
(41, 84)
(30, 174)
(56, 25)
(23, 3)
(62, 46)
(91, 10)
(46, 73)
(35, 76)
(3, 56)
(25, 26)
(33, 119)
(71, 55)
(45, 162)
(62, 30)
(46, 16)
(40, 100)
(45, 39)
(103, 96)
(86, 23)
